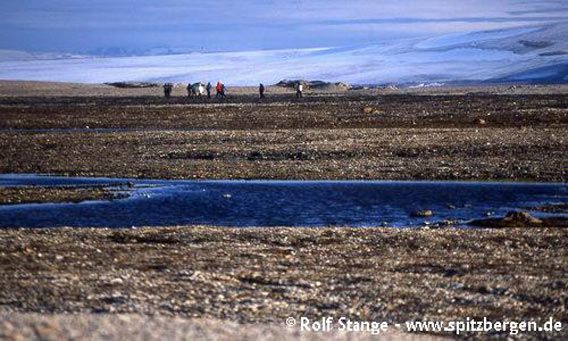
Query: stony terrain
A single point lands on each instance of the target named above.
(45, 194)
(157, 281)
(33, 326)
(353, 135)
(254, 275)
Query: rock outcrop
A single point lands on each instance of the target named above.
(422, 214)
(314, 85)
(133, 85)
(513, 219)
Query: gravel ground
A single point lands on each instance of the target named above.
(264, 275)
(222, 283)
(317, 111)
(536, 154)
(142, 327)
(457, 135)
(53, 194)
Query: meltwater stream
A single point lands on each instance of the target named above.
(276, 203)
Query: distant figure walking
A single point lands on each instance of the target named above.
(261, 90)
(299, 90)
(220, 88)
(168, 87)
(208, 88)
(189, 90)
(197, 89)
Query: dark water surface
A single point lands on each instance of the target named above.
(276, 203)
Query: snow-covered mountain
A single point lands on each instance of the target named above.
(537, 53)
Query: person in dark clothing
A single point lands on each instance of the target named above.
(168, 87)
(261, 90)
(208, 88)
(189, 90)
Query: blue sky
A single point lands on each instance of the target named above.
(81, 26)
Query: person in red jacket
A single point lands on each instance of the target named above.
(220, 90)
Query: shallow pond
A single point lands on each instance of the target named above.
(276, 203)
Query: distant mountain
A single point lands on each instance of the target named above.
(532, 54)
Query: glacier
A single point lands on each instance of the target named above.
(534, 54)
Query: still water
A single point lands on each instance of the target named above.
(275, 203)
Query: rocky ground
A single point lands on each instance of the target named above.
(256, 275)
(31, 326)
(353, 135)
(530, 153)
(167, 279)
(51, 194)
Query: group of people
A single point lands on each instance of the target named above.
(199, 89)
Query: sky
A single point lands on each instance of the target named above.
(114, 27)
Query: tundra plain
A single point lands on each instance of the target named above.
(254, 276)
